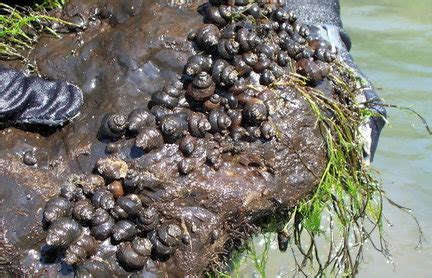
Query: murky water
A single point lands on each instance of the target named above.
(392, 43)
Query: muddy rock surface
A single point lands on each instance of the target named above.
(123, 53)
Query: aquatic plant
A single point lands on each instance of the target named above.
(20, 27)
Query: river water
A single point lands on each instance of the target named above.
(392, 42)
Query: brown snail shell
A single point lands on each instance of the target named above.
(198, 63)
(149, 139)
(147, 219)
(80, 250)
(223, 73)
(172, 127)
(202, 87)
(187, 145)
(102, 224)
(140, 118)
(198, 124)
(255, 111)
(131, 204)
(247, 39)
(207, 36)
(219, 121)
(228, 48)
(116, 189)
(166, 239)
(135, 254)
(167, 97)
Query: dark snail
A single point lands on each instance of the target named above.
(83, 210)
(187, 145)
(147, 219)
(198, 63)
(124, 230)
(228, 48)
(219, 121)
(81, 249)
(255, 111)
(166, 239)
(172, 127)
(103, 199)
(56, 208)
(202, 87)
(134, 254)
(149, 139)
(112, 126)
(207, 36)
(90, 183)
(63, 232)
(198, 124)
(168, 96)
(140, 118)
(223, 73)
(102, 224)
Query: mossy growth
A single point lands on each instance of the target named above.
(21, 26)
(327, 231)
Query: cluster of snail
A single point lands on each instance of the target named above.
(240, 48)
(93, 208)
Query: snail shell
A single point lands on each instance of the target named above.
(168, 96)
(112, 168)
(255, 111)
(198, 124)
(149, 139)
(223, 73)
(213, 15)
(112, 126)
(241, 66)
(202, 87)
(102, 224)
(314, 71)
(124, 230)
(219, 121)
(93, 268)
(228, 48)
(213, 103)
(131, 204)
(207, 36)
(103, 199)
(172, 127)
(83, 248)
(283, 241)
(160, 111)
(187, 145)
(198, 63)
(63, 232)
(140, 118)
(166, 239)
(324, 55)
(283, 59)
(237, 133)
(132, 180)
(116, 189)
(56, 208)
(247, 39)
(83, 210)
(286, 27)
(253, 133)
(281, 15)
(71, 192)
(239, 87)
(267, 130)
(255, 11)
(148, 219)
(90, 183)
(134, 254)
(236, 117)
(267, 77)
(262, 64)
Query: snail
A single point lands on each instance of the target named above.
(198, 124)
(81, 249)
(187, 145)
(83, 210)
(223, 73)
(241, 66)
(124, 230)
(116, 189)
(202, 87)
(147, 219)
(281, 15)
(228, 48)
(29, 158)
(172, 127)
(112, 168)
(135, 254)
(283, 59)
(160, 111)
(90, 183)
(71, 192)
(167, 97)
(140, 118)
(315, 71)
(63, 232)
(255, 111)
(213, 103)
(267, 77)
(198, 63)
(219, 121)
(102, 224)
(56, 208)
(129, 205)
(255, 11)
(262, 63)
(324, 55)
(217, 15)
(149, 139)
(112, 126)
(103, 199)
(207, 36)
(247, 39)
(166, 239)
(267, 130)
(283, 240)
(253, 133)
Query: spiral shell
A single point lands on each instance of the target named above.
(267, 130)
(63, 232)
(102, 224)
(124, 230)
(223, 73)
(239, 87)
(219, 121)
(315, 71)
(90, 183)
(253, 133)
(112, 126)
(255, 11)
(213, 103)
(103, 199)
(116, 189)
(255, 111)
(198, 63)
(241, 66)
(83, 210)
(147, 219)
(217, 15)
(112, 168)
(81, 249)
(207, 36)
(247, 39)
(166, 239)
(324, 55)
(172, 127)
(160, 111)
(134, 254)
(228, 48)
(187, 145)
(262, 64)
(29, 158)
(198, 124)
(149, 139)
(140, 118)
(283, 240)
(283, 59)
(281, 15)
(168, 96)
(267, 77)
(71, 192)
(129, 204)
(202, 87)
(56, 208)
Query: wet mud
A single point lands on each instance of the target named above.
(122, 53)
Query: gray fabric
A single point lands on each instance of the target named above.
(33, 100)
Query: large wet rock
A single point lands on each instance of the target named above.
(124, 52)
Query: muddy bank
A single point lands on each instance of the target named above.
(121, 55)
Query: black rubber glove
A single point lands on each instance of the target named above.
(36, 101)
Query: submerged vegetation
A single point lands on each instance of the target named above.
(20, 27)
